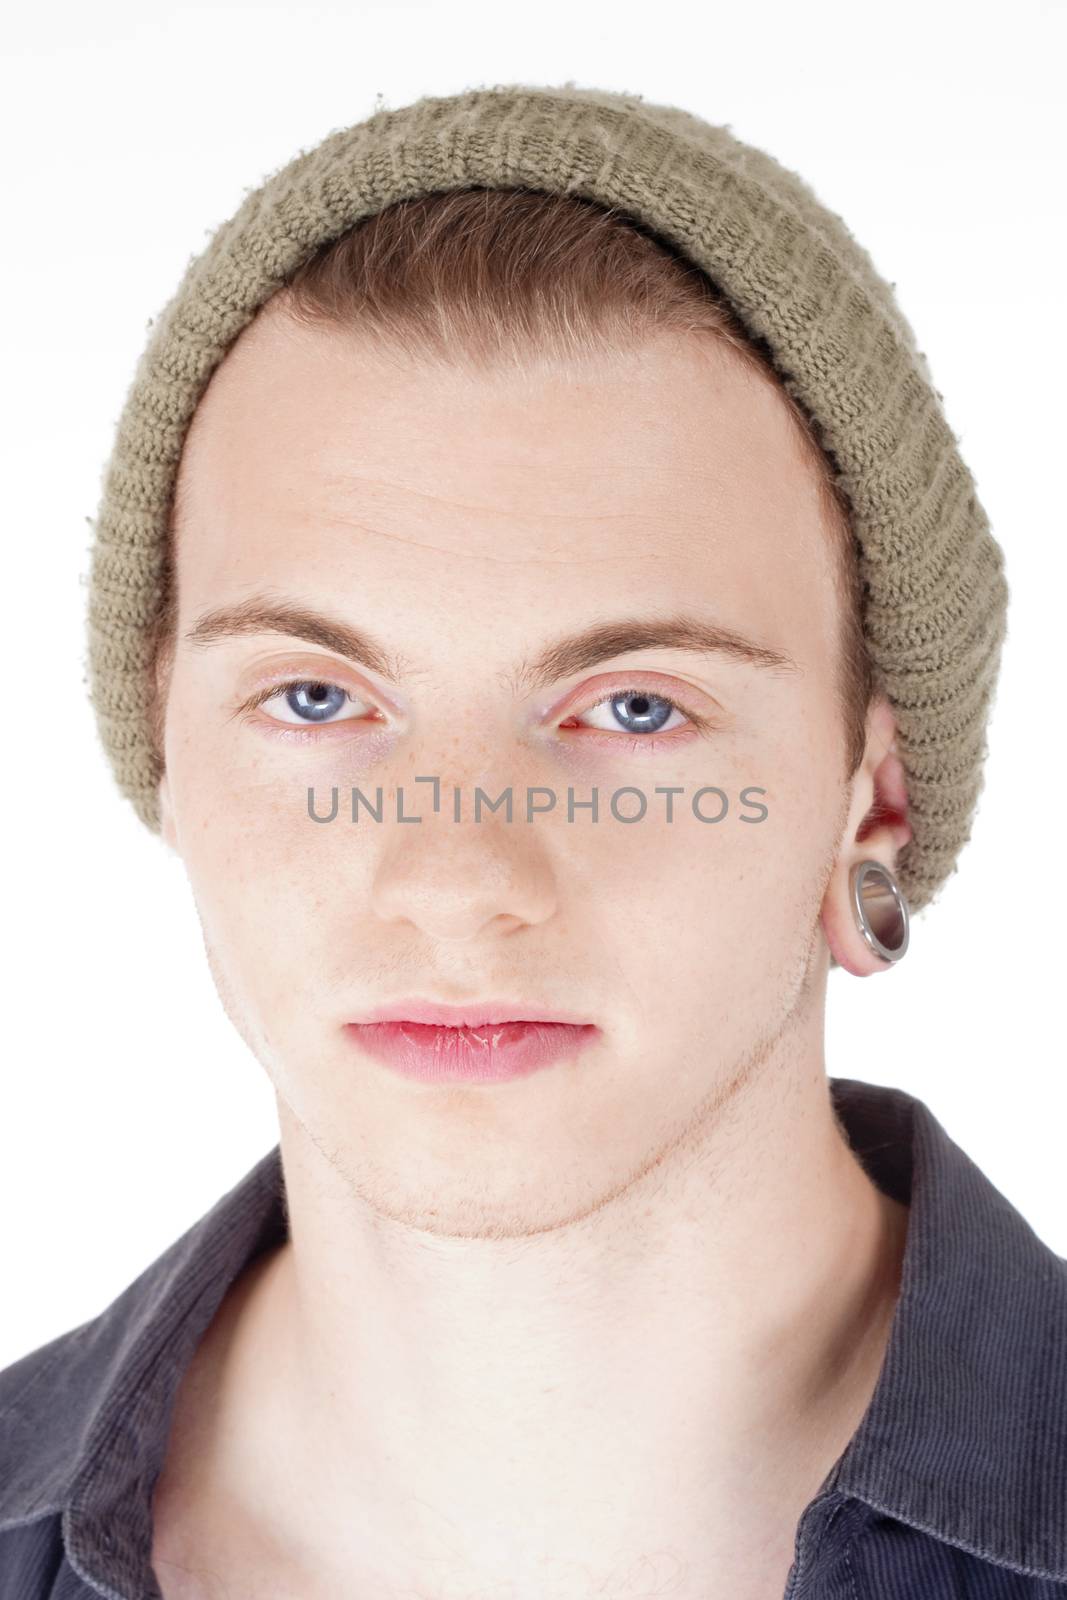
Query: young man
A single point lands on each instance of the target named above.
(572, 1274)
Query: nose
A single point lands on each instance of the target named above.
(456, 880)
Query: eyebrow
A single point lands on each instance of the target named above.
(568, 654)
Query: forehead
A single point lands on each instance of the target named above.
(661, 473)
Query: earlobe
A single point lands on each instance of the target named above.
(866, 918)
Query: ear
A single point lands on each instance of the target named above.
(166, 814)
(877, 829)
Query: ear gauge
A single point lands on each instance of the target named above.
(880, 909)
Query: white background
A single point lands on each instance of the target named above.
(130, 132)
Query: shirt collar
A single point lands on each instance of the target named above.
(964, 1437)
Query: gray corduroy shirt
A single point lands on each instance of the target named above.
(953, 1487)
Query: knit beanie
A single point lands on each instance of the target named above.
(935, 595)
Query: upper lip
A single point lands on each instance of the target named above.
(473, 1014)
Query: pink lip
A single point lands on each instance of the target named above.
(488, 1052)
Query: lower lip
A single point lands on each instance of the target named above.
(489, 1054)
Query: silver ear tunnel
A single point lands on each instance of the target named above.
(880, 909)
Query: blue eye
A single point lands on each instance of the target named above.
(627, 711)
(636, 711)
(309, 700)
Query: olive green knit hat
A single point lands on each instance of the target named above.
(935, 592)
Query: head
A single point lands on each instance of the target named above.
(502, 475)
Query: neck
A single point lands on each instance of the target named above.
(703, 1345)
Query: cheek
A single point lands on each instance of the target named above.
(261, 872)
(680, 908)
(733, 901)
(714, 904)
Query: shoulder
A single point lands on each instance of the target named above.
(52, 1398)
(58, 1403)
(42, 1418)
(46, 1406)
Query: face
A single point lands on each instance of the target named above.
(464, 524)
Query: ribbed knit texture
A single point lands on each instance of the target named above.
(936, 591)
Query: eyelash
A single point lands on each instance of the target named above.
(271, 690)
(702, 724)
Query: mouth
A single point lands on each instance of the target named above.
(477, 1043)
(473, 1014)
